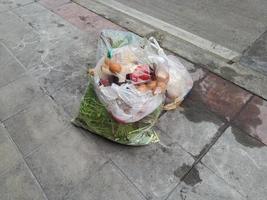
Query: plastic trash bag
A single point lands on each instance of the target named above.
(132, 78)
(124, 90)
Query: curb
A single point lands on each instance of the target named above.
(200, 51)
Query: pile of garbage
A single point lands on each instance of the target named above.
(128, 88)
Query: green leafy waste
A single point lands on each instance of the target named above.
(94, 117)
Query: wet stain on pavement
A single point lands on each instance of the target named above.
(245, 139)
(251, 119)
(196, 111)
(222, 98)
(181, 171)
(192, 178)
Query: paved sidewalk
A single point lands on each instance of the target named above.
(213, 147)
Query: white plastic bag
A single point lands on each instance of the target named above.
(180, 82)
(132, 81)
(125, 102)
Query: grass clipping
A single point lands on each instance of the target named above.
(94, 117)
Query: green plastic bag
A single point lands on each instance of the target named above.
(94, 117)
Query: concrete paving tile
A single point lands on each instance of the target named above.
(17, 95)
(201, 183)
(220, 96)
(154, 169)
(241, 161)
(107, 184)
(10, 68)
(255, 56)
(13, 31)
(64, 161)
(21, 39)
(193, 127)
(55, 61)
(70, 95)
(9, 155)
(44, 21)
(10, 4)
(31, 127)
(67, 70)
(40, 38)
(19, 184)
(53, 4)
(253, 119)
(84, 19)
(5, 56)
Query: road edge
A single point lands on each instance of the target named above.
(214, 57)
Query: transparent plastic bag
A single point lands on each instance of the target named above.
(93, 116)
(180, 82)
(131, 80)
(130, 99)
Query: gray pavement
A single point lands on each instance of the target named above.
(44, 56)
(233, 24)
(255, 56)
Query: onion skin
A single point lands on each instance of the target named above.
(152, 85)
(161, 87)
(142, 88)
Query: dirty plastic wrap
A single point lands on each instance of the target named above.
(131, 80)
(124, 101)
